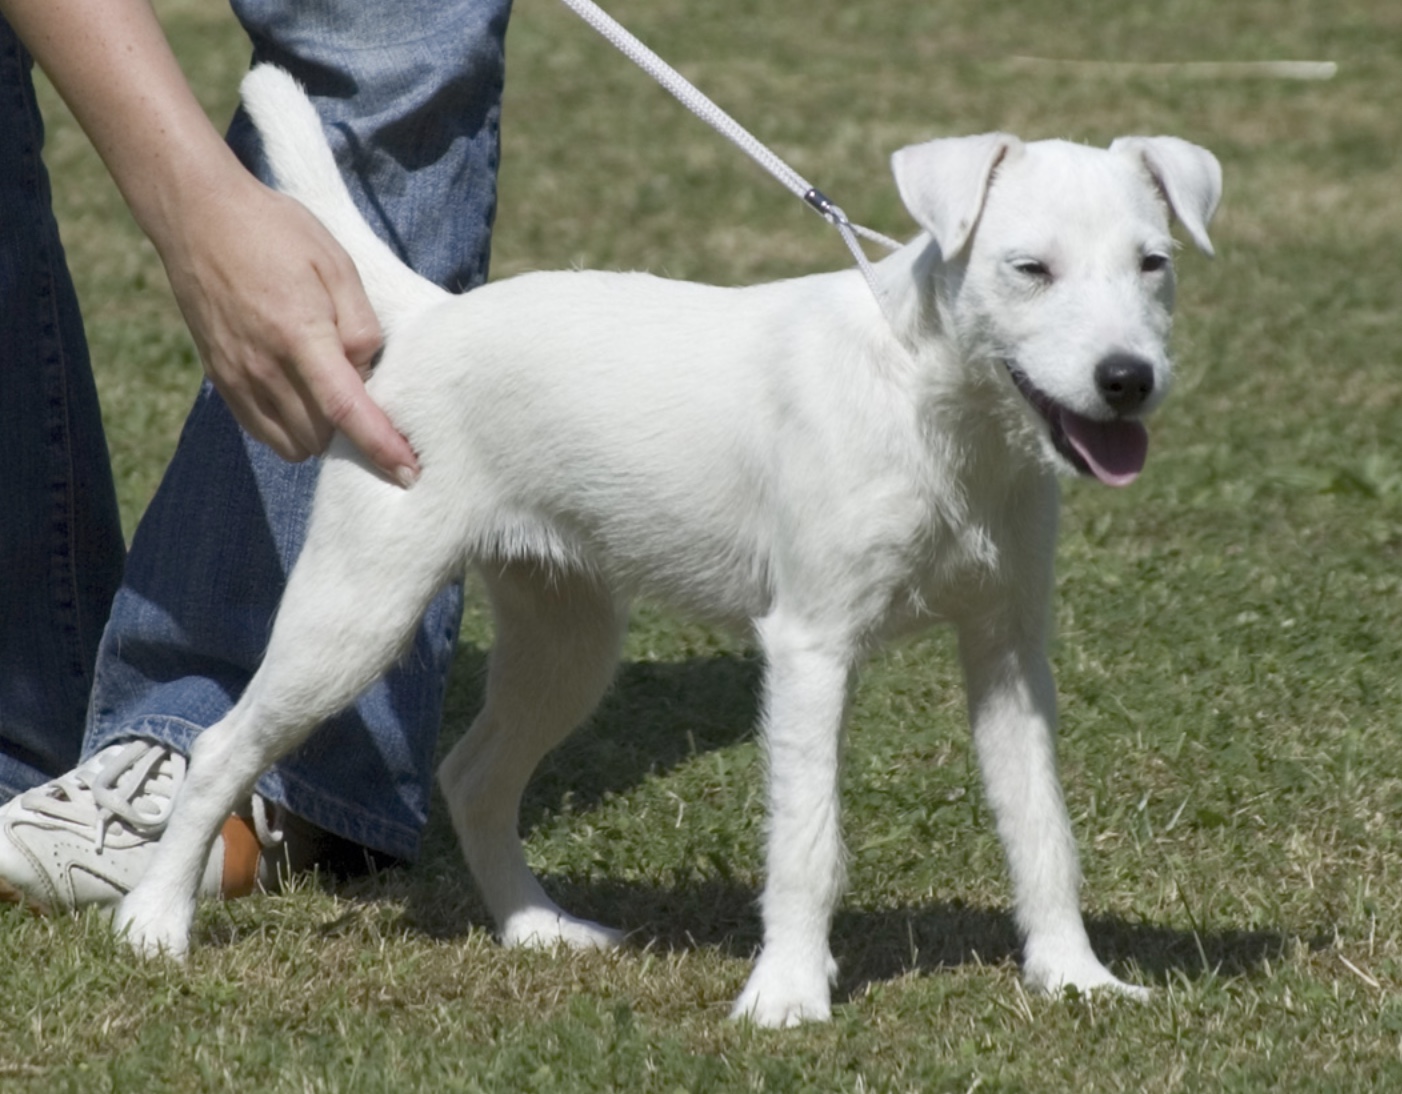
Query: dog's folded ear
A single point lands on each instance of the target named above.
(944, 182)
(1189, 177)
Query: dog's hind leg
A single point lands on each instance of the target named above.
(556, 648)
(351, 605)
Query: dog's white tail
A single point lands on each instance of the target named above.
(305, 169)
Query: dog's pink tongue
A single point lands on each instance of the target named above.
(1114, 451)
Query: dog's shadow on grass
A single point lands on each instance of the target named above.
(874, 947)
(659, 715)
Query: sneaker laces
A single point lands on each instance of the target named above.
(269, 821)
(135, 787)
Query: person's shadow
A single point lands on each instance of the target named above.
(704, 704)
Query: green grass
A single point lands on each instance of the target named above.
(1230, 629)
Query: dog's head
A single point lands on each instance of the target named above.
(1057, 274)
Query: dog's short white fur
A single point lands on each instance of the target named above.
(783, 457)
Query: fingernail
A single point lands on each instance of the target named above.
(406, 476)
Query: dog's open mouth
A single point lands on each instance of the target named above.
(1112, 451)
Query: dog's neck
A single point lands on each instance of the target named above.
(901, 279)
(971, 416)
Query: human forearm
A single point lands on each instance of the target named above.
(274, 305)
(110, 61)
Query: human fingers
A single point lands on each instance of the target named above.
(263, 396)
(294, 404)
(343, 399)
(285, 330)
(335, 394)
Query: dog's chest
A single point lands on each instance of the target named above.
(973, 552)
(948, 569)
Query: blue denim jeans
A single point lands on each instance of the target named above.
(60, 539)
(410, 92)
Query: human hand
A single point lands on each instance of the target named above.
(281, 322)
(276, 307)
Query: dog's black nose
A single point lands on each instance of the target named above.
(1125, 381)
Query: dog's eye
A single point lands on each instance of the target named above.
(1154, 263)
(1030, 267)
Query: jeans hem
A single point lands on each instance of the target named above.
(16, 777)
(313, 804)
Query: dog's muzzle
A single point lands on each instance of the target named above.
(1112, 450)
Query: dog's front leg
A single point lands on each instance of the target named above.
(155, 917)
(1012, 709)
(806, 685)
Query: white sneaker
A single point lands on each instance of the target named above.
(87, 837)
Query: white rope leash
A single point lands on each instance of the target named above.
(723, 123)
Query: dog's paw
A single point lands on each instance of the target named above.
(546, 928)
(1085, 976)
(780, 995)
(162, 931)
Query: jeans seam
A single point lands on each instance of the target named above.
(61, 577)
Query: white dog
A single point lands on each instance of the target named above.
(785, 457)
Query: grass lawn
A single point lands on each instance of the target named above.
(1229, 629)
